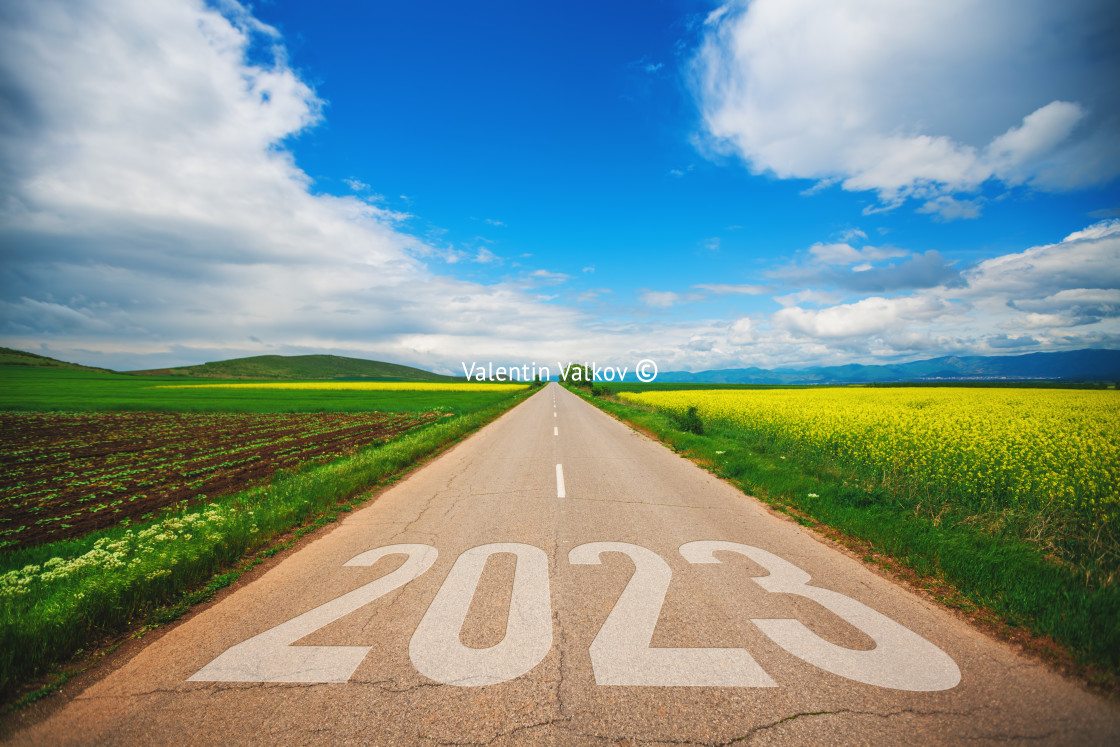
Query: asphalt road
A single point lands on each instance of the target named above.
(560, 579)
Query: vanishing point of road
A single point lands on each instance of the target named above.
(558, 578)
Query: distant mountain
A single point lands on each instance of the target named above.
(10, 357)
(1076, 365)
(299, 367)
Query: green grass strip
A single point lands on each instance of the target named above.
(55, 599)
(1001, 573)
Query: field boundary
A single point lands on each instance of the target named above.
(244, 529)
(959, 568)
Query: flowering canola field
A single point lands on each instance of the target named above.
(1048, 454)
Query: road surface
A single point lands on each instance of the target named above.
(560, 579)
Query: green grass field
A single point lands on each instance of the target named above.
(293, 367)
(78, 390)
(61, 597)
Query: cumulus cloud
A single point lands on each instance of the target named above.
(152, 208)
(869, 316)
(153, 213)
(1068, 308)
(1084, 260)
(1049, 290)
(742, 331)
(1058, 296)
(915, 100)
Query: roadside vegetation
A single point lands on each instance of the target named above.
(203, 491)
(1009, 496)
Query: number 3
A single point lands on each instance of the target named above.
(901, 659)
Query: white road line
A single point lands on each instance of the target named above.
(553, 413)
(555, 431)
(559, 481)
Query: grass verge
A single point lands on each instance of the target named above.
(990, 574)
(55, 599)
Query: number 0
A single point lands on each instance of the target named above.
(435, 648)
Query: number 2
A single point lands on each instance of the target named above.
(271, 657)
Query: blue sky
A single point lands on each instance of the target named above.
(773, 183)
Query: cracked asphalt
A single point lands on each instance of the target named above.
(500, 486)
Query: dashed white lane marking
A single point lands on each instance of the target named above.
(560, 481)
(553, 413)
(555, 431)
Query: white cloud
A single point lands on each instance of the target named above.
(723, 289)
(152, 209)
(869, 316)
(947, 208)
(550, 277)
(846, 254)
(1049, 289)
(742, 331)
(485, 256)
(659, 299)
(915, 100)
(844, 266)
(1011, 153)
(810, 295)
(153, 214)
(1087, 259)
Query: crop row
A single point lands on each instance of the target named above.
(63, 475)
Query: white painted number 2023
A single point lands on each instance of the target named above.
(620, 653)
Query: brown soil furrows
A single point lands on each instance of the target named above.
(65, 474)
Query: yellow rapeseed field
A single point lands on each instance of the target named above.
(981, 450)
(382, 386)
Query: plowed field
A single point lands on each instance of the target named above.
(65, 474)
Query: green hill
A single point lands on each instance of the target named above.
(11, 357)
(299, 367)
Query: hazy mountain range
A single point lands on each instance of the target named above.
(1076, 365)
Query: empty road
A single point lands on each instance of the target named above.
(560, 579)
